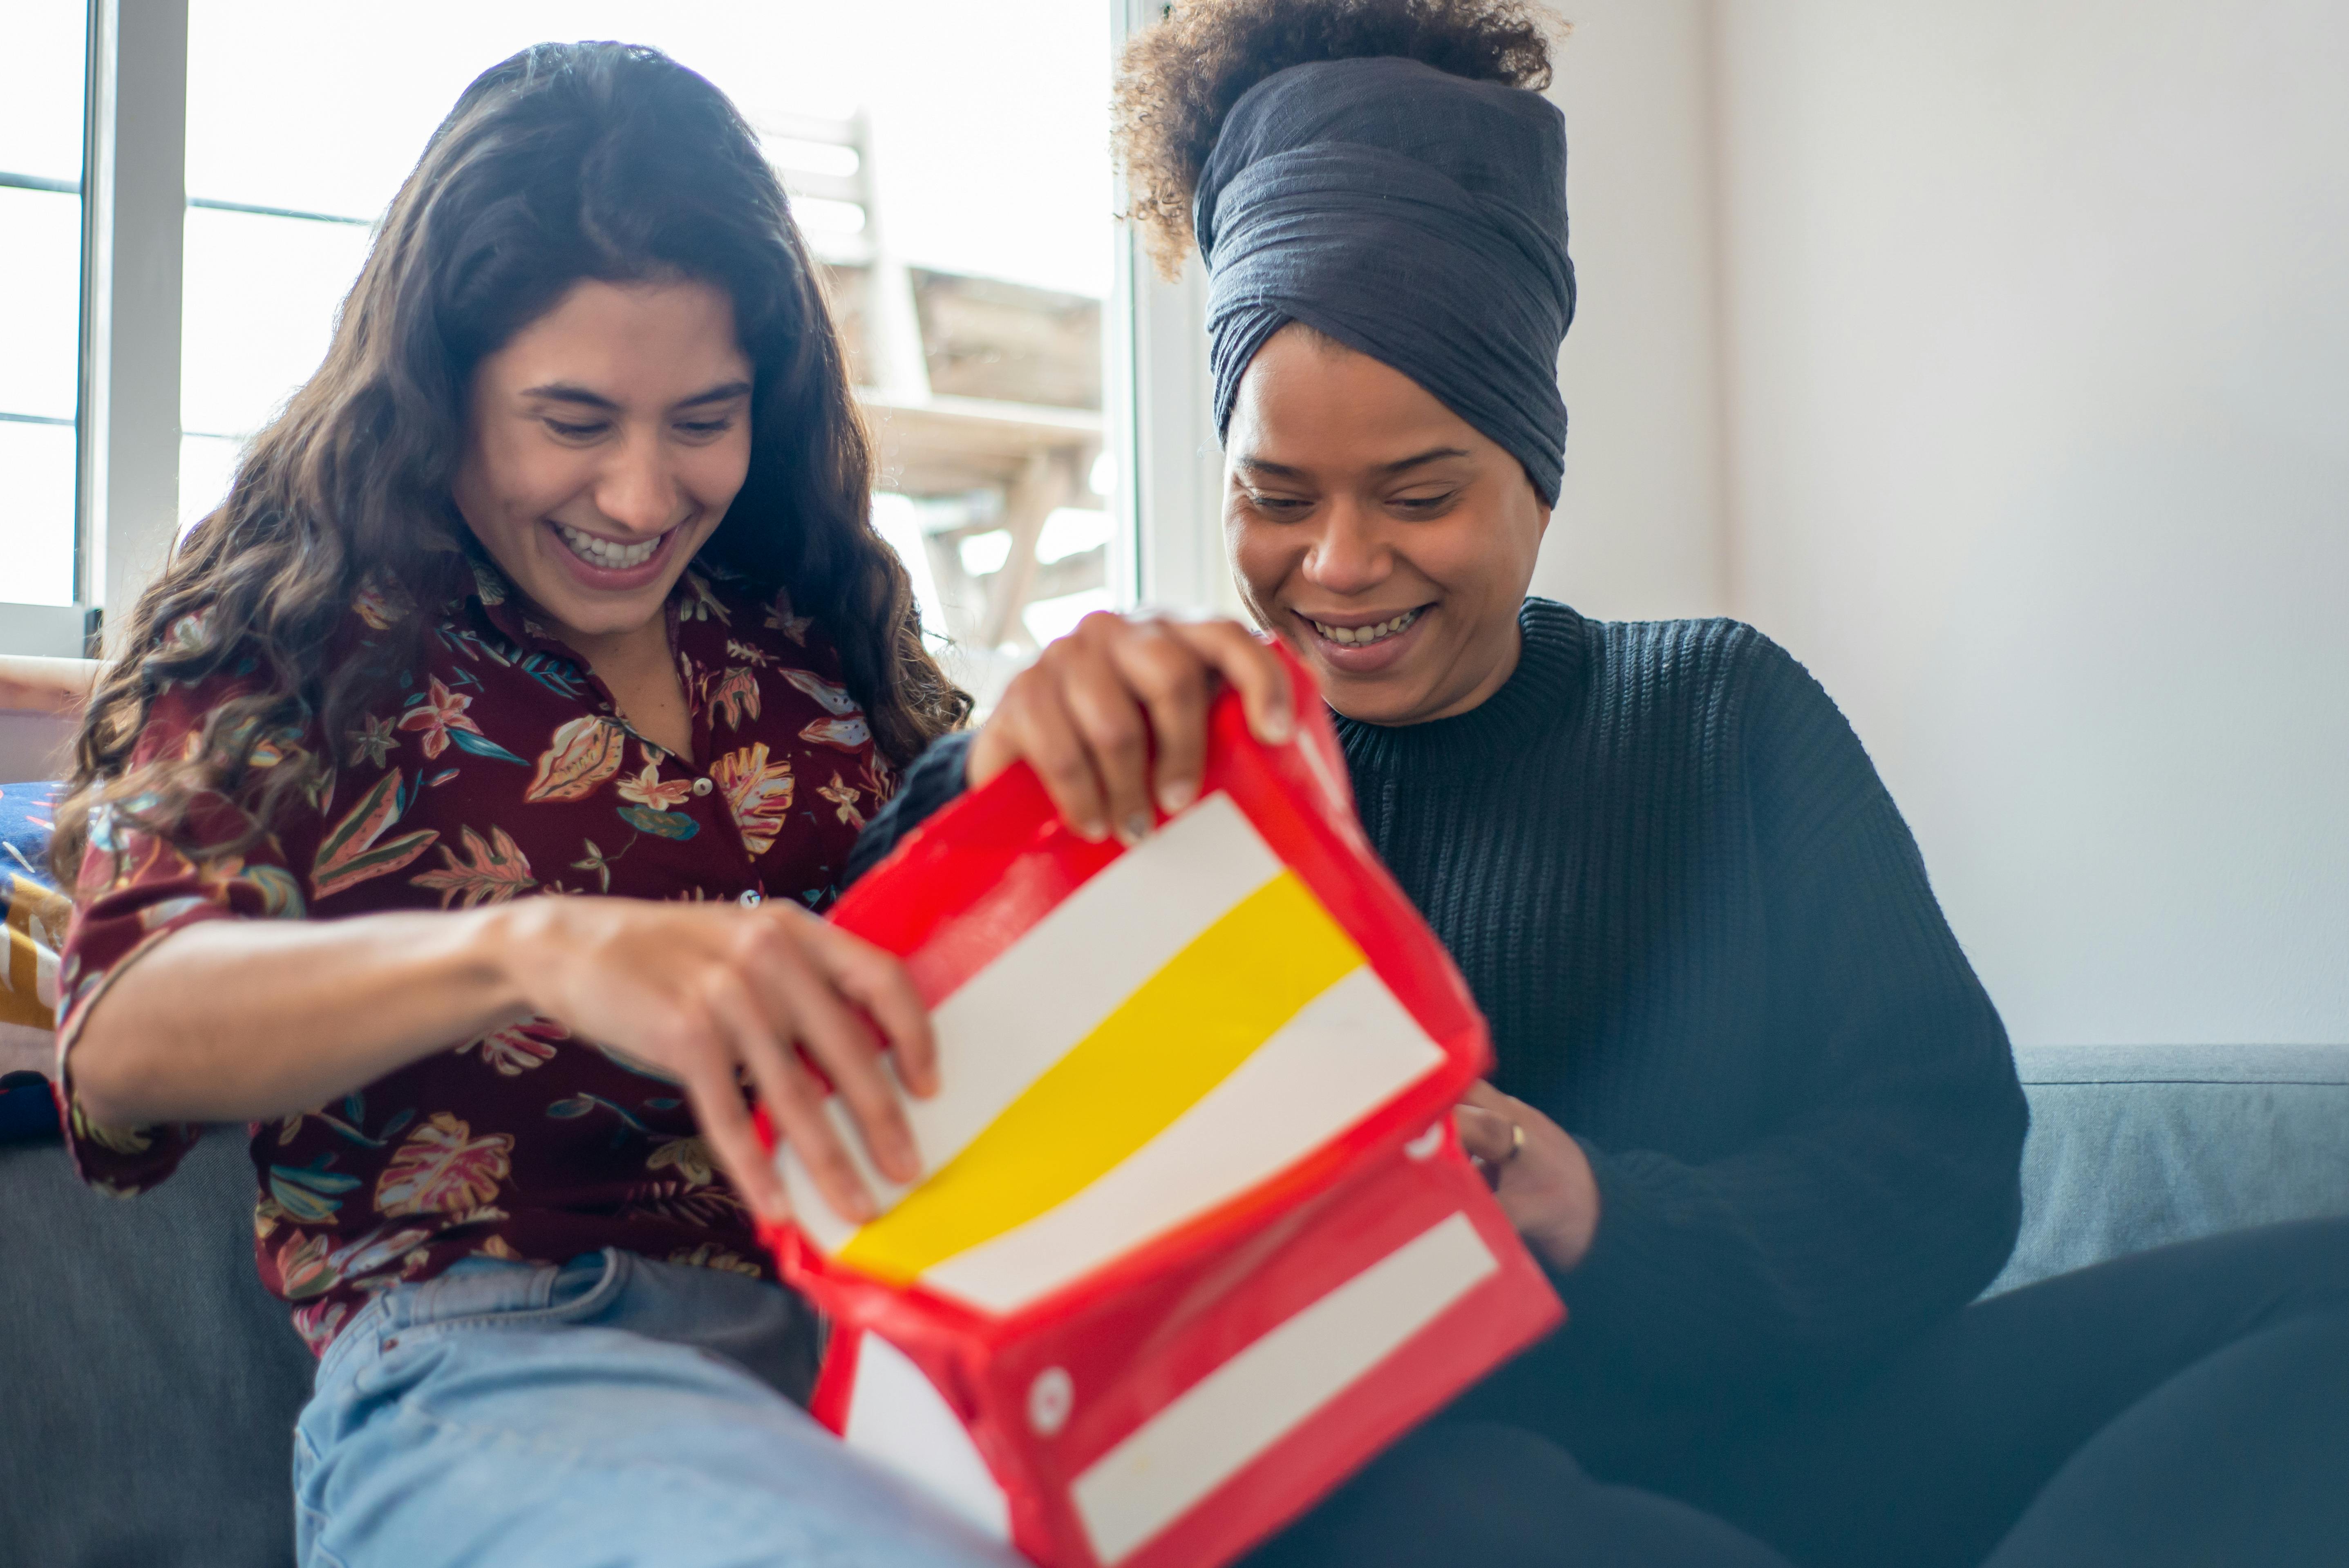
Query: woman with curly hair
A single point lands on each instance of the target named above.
(557, 578)
(1752, 1107)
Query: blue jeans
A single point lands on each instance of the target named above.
(597, 1415)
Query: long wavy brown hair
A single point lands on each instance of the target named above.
(1179, 80)
(566, 162)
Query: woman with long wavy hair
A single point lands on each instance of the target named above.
(557, 578)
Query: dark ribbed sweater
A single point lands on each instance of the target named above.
(1706, 944)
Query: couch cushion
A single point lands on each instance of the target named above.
(151, 1384)
(2135, 1146)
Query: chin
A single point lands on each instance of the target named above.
(1374, 699)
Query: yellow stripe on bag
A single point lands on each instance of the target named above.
(1169, 1043)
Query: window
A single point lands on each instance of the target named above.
(41, 79)
(1039, 402)
(951, 171)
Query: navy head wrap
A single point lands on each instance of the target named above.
(1416, 216)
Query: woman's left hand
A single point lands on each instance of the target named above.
(1541, 1175)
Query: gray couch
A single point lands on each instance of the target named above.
(148, 1386)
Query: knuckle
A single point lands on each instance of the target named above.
(1121, 732)
(685, 1034)
(1167, 670)
(721, 993)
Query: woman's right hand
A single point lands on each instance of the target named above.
(1114, 716)
(714, 995)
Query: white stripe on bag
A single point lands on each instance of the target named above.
(1348, 1052)
(1224, 1421)
(1036, 1000)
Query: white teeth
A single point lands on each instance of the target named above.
(1355, 636)
(604, 553)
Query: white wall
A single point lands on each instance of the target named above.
(2037, 368)
(1640, 526)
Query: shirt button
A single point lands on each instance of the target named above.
(749, 898)
(701, 785)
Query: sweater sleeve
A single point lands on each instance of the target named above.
(1889, 1193)
(932, 783)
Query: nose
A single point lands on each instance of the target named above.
(637, 488)
(1349, 556)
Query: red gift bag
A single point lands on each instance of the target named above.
(1195, 1238)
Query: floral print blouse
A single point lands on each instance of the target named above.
(499, 767)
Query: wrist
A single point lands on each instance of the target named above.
(503, 952)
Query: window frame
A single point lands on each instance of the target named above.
(1166, 548)
(1162, 412)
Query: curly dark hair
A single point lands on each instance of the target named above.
(1179, 80)
(566, 162)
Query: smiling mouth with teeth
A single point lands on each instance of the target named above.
(604, 553)
(1356, 636)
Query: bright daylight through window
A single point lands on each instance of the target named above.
(41, 73)
(951, 173)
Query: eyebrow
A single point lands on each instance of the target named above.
(572, 392)
(1282, 470)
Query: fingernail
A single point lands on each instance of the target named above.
(1091, 829)
(1135, 829)
(1278, 728)
(1176, 794)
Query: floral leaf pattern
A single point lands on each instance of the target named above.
(673, 825)
(847, 733)
(373, 741)
(443, 1169)
(697, 602)
(833, 699)
(487, 872)
(438, 713)
(842, 797)
(350, 853)
(758, 792)
(649, 788)
(482, 745)
(582, 754)
(309, 1194)
(690, 1157)
(381, 604)
(518, 1047)
(710, 1256)
(733, 696)
(496, 757)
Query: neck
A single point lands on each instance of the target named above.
(1512, 643)
(635, 648)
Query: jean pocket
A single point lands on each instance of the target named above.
(572, 1293)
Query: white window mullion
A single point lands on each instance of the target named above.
(134, 215)
(1170, 492)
